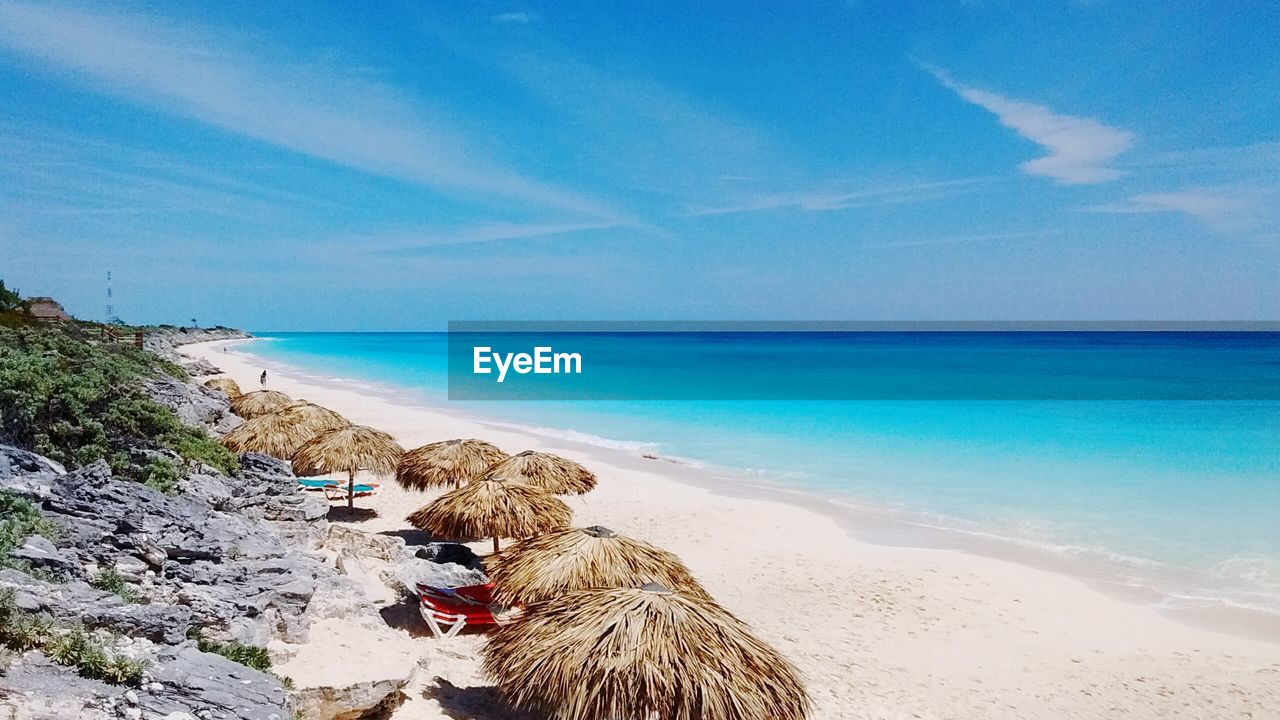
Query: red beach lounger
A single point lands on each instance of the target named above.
(448, 610)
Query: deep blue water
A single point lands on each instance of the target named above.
(1191, 487)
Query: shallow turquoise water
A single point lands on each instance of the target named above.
(1191, 487)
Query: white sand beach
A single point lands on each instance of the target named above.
(877, 631)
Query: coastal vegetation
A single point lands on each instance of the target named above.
(72, 646)
(20, 519)
(78, 401)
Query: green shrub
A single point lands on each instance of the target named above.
(78, 402)
(21, 631)
(160, 474)
(110, 580)
(19, 519)
(9, 299)
(248, 655)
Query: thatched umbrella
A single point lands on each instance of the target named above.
(450, 462)
(349, 449)
(226, 385)
(275, 434)
(258, 402)
(492, 508)
(318, 417)
(640, 653)
(550, 565)
(555, 474)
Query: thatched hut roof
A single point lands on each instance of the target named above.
(544, 567)
(226, 385)
(259, 402)
(557, 475)
(446, 463)
(640, 653)
(274, 434)
(348, 449)
(492, 508)
(317, 417)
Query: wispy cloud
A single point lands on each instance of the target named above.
(828, 200)
(315, 109)
(515, 18)
(1223, 209)
(639, 132)
(417, 243)
(964, 239)
(1079, 149)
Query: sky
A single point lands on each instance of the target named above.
(394, 166)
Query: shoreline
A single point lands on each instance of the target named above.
(864, 522)
(879, 631)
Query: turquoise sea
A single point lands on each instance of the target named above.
(1179, 495)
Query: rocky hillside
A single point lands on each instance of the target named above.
(147, 576)
(164, 340)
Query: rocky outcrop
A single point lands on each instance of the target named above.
(240, 577)
(16, 462)
(77, 602)
(193, 567)
(35, 687)
(194, 405)
(183, 684)
(205, 685)
(165, 340)
(351, 702)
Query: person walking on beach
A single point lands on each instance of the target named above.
(263, 379)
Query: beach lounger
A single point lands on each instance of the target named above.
(338, 491)
(448, 610)
(316, 483)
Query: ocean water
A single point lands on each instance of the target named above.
(1182, 496)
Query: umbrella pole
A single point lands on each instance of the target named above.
(351, 489)
(495, 544)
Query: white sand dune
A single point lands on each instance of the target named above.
(879, 632)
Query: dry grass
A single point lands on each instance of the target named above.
(259, 402)
(555, 474)
(448, 463)
(640, 653)
(348, 449)
(541, 568)
(226, 385)
(492, 508)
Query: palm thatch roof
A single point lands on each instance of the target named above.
(348, 449)
(275, 434)
(492, 508)
(544, 567)
(555, 474)
(640, 653)
(450, 462)
(258, 402)
(226, 385)
(317, 417)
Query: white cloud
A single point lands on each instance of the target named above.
(827, 200)
(413, 243)
(1079, 149)
(1222, 209)
(332, 113)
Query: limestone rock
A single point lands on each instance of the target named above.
(208, 685)
(353, 701)
(194, 405)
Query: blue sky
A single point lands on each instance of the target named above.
(289, 166)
